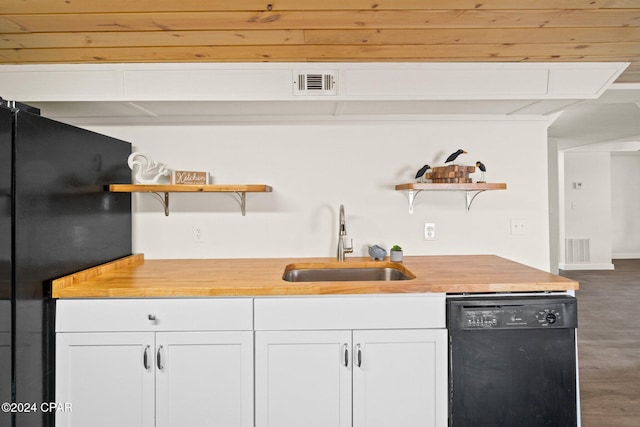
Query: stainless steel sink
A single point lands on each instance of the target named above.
(345, 274)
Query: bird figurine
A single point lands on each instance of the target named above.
(377, 252)
(146, 170)
(455, 155)
(483, 169)
(422, 171)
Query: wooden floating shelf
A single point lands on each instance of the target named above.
(186, 188)
(414, 188)
(240, 190)
(477, 186)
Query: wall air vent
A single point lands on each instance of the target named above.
(577, 251)
(314, 83)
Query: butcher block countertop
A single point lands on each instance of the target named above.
(134, 277)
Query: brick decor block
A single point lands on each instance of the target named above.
(450, 174)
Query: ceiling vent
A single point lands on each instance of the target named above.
(314, 83)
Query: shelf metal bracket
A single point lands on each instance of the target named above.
(242, 201)
(471, 198)
(164, 201)
(412, 199)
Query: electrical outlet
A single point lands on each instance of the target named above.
(429, 231)
(519, 227)
(197, 234)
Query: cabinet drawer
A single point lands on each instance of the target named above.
(149, 314)
(350, 312)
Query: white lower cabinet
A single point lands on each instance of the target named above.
(378, 377)
(400, 378)
(321, 361)
(103, 377)
(303, 378)
(204, 378)
(162, 378)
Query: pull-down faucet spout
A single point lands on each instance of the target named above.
(342, 235)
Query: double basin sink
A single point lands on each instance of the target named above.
(346, 272)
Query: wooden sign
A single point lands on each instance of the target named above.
(190, 177)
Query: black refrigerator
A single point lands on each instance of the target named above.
(55, 219)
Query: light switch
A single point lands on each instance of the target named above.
(519, 226)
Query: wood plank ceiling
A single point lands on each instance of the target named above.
(95, 31)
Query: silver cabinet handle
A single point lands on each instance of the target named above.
(345, 351)
(359, 355)
(145, 357)
(159, 358)
(151, 317)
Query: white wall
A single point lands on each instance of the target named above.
(625, 204)
(314, 167)
(555, 160)
(587, 211)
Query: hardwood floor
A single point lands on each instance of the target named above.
(609, 344)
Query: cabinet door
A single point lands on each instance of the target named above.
(303, 378)
(204, 378)
(400, 378)
(104, 377)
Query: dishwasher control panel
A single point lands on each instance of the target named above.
(512, 313)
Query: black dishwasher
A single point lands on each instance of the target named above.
(512, 361)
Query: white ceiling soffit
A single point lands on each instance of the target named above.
(106, 112)
(156, 93)
(624, 147)
(609, 123)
